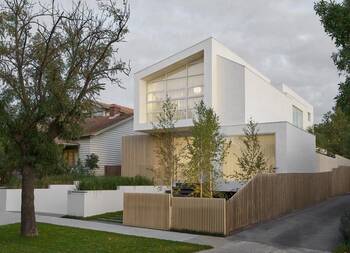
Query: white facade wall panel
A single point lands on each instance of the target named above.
(230, 90)
(264, 102)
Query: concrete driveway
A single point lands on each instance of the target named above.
(315, 229)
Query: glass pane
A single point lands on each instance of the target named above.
(156, 86)
(297, 117)
(180, 103)
(181, 114)
(155, 96)
(180, 72)
(152, 117)
(154, 107)
(176, 84)
(195, 81)
(195, 91)
(196, 69)
(190, 113)
(177, 93)
(192, 102)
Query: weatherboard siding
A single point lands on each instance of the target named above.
(84, 148)
(107, 145)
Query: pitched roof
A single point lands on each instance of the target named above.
(98, 124)
(93, 126)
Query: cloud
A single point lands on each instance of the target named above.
(283, 39)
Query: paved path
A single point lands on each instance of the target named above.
(313, 230)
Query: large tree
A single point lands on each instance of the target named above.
(333, 132)
(53, 63)
(335, 17)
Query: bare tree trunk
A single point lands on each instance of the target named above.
(28, 224)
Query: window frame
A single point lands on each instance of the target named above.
(296, 111)
(164, 80)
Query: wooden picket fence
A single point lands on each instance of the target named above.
(265, 197)
(149, 210)
(198, 214)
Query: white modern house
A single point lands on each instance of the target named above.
(211, 72)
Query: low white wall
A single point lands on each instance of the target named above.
(51, 200)
(327, 163)
(2, 199)
(90, 203)
(300, 150)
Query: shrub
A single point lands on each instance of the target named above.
(15, 182)
(345, 225)
(91, 163)
(111, 183)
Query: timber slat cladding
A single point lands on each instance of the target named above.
(146, 210)
(268, 196)
(138, 156)
(198, 214)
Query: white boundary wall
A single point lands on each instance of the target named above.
(51, 200)
(90, 203)
(327, 163)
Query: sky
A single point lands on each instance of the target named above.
(282, 39)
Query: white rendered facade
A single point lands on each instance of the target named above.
(237, 92)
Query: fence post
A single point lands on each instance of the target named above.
(225, 217)
(170, 211)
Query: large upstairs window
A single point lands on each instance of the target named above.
(297, 117)
(184, 86)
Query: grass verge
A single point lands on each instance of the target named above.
(113, 217)
(59, 239)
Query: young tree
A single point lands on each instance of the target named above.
(252, 160)
(168, 158)
(53, 63)
(207, 150)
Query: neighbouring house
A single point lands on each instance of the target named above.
(102, 135)
(211, 72)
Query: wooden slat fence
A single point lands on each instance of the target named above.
(149, 210)
(341, 180)
(265, 197)
(268, 196)
(185, 214)
(198, 214)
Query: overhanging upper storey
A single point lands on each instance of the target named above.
(211, 72)
(184, 77)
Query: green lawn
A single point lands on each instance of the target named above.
(59, 239)
(112, 217)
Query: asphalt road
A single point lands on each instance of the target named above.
(315, 228)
